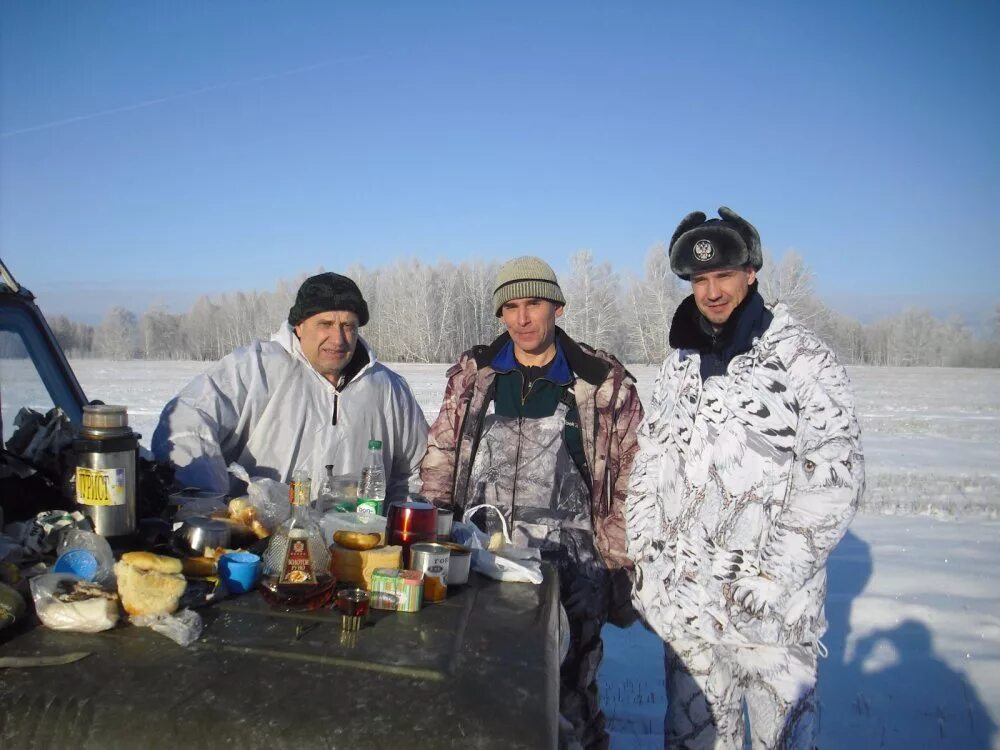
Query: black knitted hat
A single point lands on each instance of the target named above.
(699, 245)
(324, 292)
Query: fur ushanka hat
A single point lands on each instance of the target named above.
(699, 245)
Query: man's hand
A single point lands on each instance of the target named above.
(756, 594)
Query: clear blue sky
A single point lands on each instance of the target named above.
(154, 151)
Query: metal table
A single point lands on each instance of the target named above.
(479, 670)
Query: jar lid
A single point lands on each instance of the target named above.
(104, 416)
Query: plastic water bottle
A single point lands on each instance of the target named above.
(371, 488)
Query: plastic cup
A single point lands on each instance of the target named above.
(240, 571)
(79, 562)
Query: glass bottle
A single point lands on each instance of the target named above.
(371, 488)
(326, 495)
(297, 561)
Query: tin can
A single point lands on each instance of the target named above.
(432, 559)
(444, 524)
(396, 590)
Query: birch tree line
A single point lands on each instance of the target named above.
(423, 312)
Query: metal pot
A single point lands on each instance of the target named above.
(197, 533)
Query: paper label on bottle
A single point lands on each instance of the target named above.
(369, 508)
(298, 566)
(100, 486)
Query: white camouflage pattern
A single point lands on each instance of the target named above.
(741, 489)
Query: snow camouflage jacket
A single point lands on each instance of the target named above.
(609, 411)
(265, 407)
(742, 487)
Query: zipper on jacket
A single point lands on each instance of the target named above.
(517, 465)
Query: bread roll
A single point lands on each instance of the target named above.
(149, 561)
(356, 539)
(149, 591)
(241, 511)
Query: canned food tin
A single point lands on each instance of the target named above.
(444, 524)
(432, 560)
(396, 590)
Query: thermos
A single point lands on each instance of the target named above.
(106, 451)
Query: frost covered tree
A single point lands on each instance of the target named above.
(478, 323)
(790, 282)
(592, 309)
(76, 339)
(117, 335)
(649, 308)
(160, 334)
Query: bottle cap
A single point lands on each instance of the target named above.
(375, 445)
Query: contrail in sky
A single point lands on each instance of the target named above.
(173, 97)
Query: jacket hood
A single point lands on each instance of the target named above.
(362, 361)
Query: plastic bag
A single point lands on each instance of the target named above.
(268, 497)
(40, 535)
(183, 627)
(60, 607)
(491, 523)
(202, 507)
(509, 563)
(97, 546)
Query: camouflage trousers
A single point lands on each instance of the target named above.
(707, 685)
(581, 721)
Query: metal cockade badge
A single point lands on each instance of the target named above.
(703, 250)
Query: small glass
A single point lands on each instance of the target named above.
(353, 606)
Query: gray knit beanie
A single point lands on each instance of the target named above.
(524, 277)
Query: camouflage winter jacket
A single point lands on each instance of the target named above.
(609, 411)
(743, 485)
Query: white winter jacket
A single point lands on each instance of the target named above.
(265, 407)
(742, 487)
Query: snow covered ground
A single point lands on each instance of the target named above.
(914, 608)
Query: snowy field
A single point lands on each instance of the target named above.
(914, 607)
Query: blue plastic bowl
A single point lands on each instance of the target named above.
(79, 562)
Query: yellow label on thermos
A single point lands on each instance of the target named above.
(100, 486)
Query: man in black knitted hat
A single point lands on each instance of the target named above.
(311, 397)
(326, 316)
(749, 471)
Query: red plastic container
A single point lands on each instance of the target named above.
(410, 522)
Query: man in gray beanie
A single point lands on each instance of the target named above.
(543, 428)
(311, 397)
(749, 471)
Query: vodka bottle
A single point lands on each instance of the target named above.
(371, 488)
(297, 561)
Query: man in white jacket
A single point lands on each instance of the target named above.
(313, 395)
(749, 471)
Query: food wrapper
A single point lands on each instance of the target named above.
(183, 627)
(41, 535)
(268, 497)
(64, 602)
